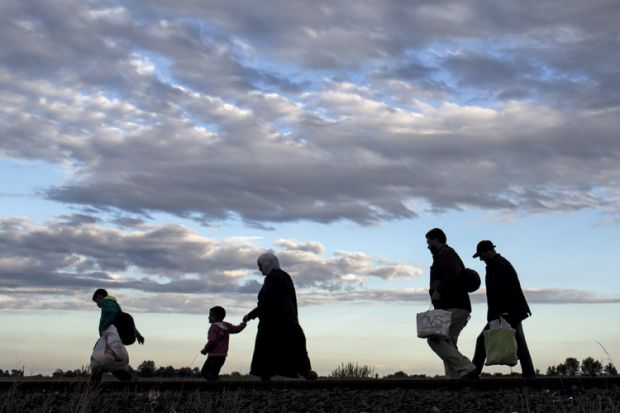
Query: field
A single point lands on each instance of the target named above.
(408, 395)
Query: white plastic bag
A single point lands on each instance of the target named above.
(499, 323)
(434, 323)
(109, 352)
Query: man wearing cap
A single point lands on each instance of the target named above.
(447, 293)
(504, 298)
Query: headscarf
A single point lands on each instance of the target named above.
(268, 262)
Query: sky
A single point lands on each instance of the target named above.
(156, 148)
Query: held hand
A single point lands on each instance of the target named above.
(245, 318)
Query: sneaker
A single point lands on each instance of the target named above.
(471, 375)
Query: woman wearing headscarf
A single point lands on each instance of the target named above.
(280, 347)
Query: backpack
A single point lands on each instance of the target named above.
(470, 279)
(126, 327)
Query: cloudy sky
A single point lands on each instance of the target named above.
(157, 148)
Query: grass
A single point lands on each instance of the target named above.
(95, 399)
(352, 371)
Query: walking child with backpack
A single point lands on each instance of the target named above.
(116, 330)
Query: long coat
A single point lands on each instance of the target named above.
(280, 347)
(504, 293)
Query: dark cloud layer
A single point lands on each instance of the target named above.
(169, 259)
(171, 268)
(186, 303)
(284, 111)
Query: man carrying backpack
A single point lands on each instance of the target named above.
(112, 314)
(449, 292)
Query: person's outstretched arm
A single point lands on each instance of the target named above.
(234, 329)
(251, 315)
(139, 337)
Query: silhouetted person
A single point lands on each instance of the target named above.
(448, 293)
(280, 347)
(109, 310)
(217, 344)
(505, 298)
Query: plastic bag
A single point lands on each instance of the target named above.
(434, 323)
(109, 352)
(501, 344)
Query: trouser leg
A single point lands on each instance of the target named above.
(456, 364)
(96, 375)
(211, 368)
(480, 353)
(523, 353)
(122, 375)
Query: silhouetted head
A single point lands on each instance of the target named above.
(267, 262)
(435, 239)
(216, 314)
(99, 295)
(485, 250)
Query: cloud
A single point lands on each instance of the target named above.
(562, 296)
(494, 159)
(35, 299)
(534, 296)
(171, 268)
(168, 259)
(285, 111)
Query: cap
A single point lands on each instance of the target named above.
(483, 246)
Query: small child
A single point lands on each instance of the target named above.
(217, 346)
